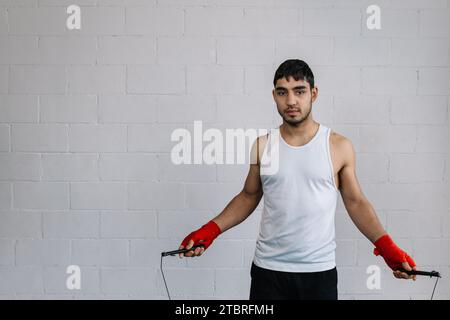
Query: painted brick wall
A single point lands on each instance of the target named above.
(86, 116)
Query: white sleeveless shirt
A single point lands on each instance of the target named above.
(297, 232)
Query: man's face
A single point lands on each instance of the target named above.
(294, 99)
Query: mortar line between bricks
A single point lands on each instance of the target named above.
(416, 130)
(127, 198)
(9, 79)
(448, 103)
(11, 198)
(99, 225)
(126, 80)
(15, 252)
(10, 137)
(183, 33)
(333, 109)
(129, 253)
(70, 195)
(97, 105)
(185, 80)
(158, 236)
(302, 12)
(71, 252)
(42, 225)
(215, 49)
(156, 50)
(417, 80)
(124, 17)
(66, 79)
(361, 15)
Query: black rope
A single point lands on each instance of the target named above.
(437, 279)
(162, 272)
(168, 294)
(174, 252)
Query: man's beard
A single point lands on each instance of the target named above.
(295, 122)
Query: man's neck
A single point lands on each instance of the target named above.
(304, 130)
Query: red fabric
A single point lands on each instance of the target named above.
(391, 253)
(205, 235)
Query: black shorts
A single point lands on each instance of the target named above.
(280, 285)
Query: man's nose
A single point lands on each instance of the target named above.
(291, 100)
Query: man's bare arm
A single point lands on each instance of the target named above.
(364, 217)
(358, 207)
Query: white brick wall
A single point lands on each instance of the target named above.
(100, 252)
(86, 117)
(4, 74)
(37, 79)
(355, 51)
(19, 49)
(126, 50)
(41, 195)
(156, 79)
(70, 225)
(325, 22)
(423, 110)
(315, 50)
(20, 108)
(196, 50)
(96, 79)
(3, 21)
(20, 224)
(37, 21)
(402, 23)
(98, 195)
(389, 80)
(215, 79)
(68, 108)
(91, 138)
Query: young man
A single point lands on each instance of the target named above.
(295, 249)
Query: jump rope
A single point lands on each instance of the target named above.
(411, 272)
(173, 253)
(424, 273)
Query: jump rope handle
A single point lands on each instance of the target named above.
(175, 252)
(421, 273)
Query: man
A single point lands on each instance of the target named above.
(295, 249)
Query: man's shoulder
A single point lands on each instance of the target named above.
(262, 139)
(342, 145)
(258, 148)
(339, 139)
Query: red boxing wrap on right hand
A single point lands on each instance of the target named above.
(391, 253)
(205, 235)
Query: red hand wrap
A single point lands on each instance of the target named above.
(391, 253)
(205, 235)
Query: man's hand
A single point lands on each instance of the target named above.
(402, 275)
(197, 252)
(395, 257)
(205, 236)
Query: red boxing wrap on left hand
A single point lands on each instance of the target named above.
(391, 253)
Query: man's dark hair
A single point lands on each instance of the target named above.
(298, 69)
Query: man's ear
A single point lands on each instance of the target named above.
(314, 93)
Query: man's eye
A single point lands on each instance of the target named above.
(280, 93)
(300, 92)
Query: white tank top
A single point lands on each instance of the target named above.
(297, 232)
